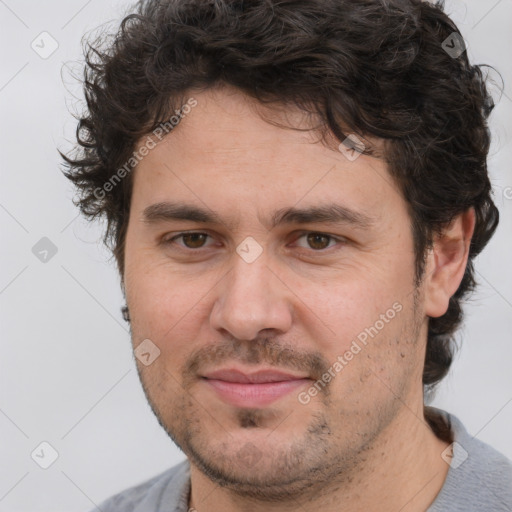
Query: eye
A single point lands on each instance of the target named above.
(196, 240)
(319, 241)
(191, 240)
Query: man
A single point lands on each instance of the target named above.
(295, 192)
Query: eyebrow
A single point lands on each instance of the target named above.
(329, 213)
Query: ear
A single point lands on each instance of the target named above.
(446, 263)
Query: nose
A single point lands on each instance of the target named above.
(251, 298)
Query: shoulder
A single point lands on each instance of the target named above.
(165, 489)
(479, 478)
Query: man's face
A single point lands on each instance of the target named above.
(325, 301)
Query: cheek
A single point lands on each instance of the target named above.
(167, 308)
(349, 308)
(369, 351)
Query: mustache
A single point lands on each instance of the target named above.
(261, 351)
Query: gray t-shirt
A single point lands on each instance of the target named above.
(479, 479)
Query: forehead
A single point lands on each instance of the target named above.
(231, 153)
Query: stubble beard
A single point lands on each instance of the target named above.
(305, 467)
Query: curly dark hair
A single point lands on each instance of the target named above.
(370, 67)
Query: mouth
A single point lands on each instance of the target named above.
(255, 389)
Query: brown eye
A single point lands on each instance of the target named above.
(318, 241)
(190, 240)
(194, 240)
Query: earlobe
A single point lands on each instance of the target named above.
(446, 263)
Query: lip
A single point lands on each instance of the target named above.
(257, 377)
(255, 389)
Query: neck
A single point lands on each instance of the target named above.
(400, 472)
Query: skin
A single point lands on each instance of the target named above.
(362, 440)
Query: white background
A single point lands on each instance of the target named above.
(66, 370)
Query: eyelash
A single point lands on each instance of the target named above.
(171, 240)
